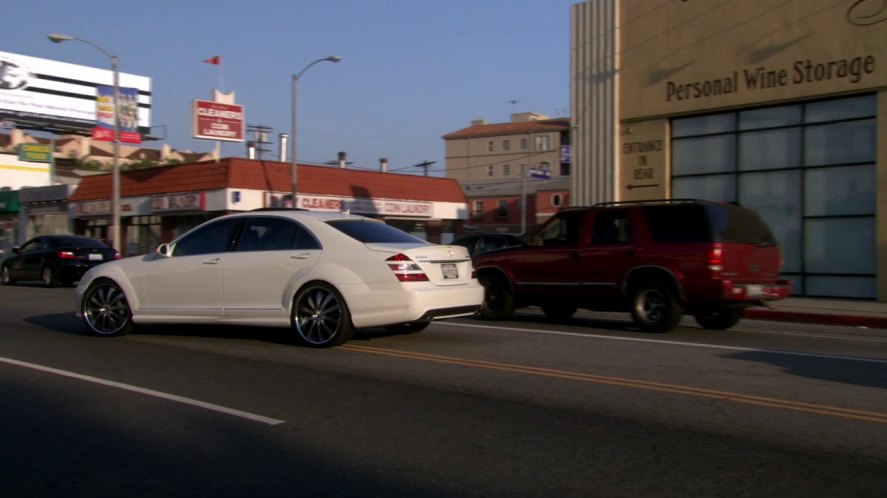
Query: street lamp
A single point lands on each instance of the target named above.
(115, 221)
(293, 139)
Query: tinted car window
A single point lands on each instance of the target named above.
(563, 229)
(208, 239)
(737, 224)
(707, 223)
(611, 227)
(678, 223)
(275, 234)
(374, 232)
(79, 242)
(32, 246)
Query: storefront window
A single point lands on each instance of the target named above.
(841, 109)
(776, 197)
(808, 170)
(840, 143)
(709, 187)
(143, 235)
(854, 254)
(771, 149)
(770, 117)
(704, 155)
(840, 191)
(703, 125)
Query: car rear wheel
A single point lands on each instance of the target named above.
(498, 302)
(407, 328)
(559, 311)
(47, 277)
(105, 310)
(719, 319)
(6, 276)
(654, 308)
(320, 317)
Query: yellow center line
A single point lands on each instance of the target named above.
(832, 411)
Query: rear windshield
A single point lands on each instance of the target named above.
(707, 223)
(79, 242)
(374, 232)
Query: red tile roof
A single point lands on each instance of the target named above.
(499, 129)
(270, 176)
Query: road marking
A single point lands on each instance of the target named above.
(147, 392)
(879, 361)
(833, 411)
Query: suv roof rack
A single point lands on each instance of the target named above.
(650, 201)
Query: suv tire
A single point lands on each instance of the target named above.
(498, 302)
(654, 307)
(718, 319)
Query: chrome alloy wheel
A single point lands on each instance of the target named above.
(105, 310)
(320, 317)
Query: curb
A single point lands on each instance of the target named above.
(873, 322)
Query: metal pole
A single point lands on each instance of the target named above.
(115, 174)
(115, 228)
(523, 199)
(294, 138)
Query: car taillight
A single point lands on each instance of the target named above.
(66, 255)
(715, 259)
(405, 269)
(116, 255)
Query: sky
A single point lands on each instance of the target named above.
(411, 70)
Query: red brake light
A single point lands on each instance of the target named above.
(715, 259)
(405, 269)
(66, 255)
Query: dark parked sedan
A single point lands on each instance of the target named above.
(479, 243)
(55, 259)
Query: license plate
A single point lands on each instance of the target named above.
(95, 257)
(450, 270)
(754, 290)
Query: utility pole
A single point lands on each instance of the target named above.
(261, 133)
(426, 165)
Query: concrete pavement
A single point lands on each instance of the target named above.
(851, 313)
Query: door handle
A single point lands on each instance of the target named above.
(304, 255)
(629, 252)
(213, 261)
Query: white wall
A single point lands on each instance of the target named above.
(16, 174)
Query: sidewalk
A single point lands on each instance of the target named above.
(850, 313)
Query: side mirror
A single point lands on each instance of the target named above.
(16, 250)
(164, 250)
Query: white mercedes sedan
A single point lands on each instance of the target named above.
(322, 274)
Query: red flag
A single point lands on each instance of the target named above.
(215, 60)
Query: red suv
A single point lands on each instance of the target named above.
(654, 259)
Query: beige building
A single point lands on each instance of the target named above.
(500, 151)
(780, 106)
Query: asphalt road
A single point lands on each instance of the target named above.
(466, 408)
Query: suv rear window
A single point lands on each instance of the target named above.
(707, 223)
(374, 232)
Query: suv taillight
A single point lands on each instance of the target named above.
(405, 269)
(715, 259)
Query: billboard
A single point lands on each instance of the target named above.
(46, 93)
(218, 121)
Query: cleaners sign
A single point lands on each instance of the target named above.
(217, 121)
